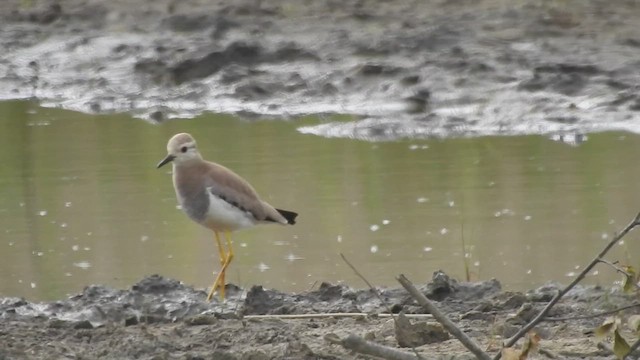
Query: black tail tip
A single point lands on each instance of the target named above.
(289, 215)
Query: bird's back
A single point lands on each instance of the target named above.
(224, 184)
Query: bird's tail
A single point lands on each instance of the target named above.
(289, 215)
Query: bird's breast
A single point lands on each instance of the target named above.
(223, 216)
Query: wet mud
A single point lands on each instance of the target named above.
(401, 68)
(160, 318)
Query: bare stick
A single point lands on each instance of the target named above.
(635, 222)
(362, 346)
(465, 261)
(377, 295)
(615, 267)
(312, 285)
(344, 258)
(443, 319)
(591, 316)
(333, 315)
(622, 271)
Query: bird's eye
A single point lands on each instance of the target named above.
(183, 149)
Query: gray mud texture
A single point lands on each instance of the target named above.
(401, 68)
(160, 318)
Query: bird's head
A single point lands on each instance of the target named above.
(181, 149)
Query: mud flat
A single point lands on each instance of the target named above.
(160, 318)
(401, 68)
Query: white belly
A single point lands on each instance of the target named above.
(223, 216)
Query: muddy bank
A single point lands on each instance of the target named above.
(402, 68)
(160, 318)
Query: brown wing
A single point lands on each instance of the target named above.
(235, 190)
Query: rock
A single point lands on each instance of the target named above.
(525, 314)
(131, 320)
(514, 301)
(419, 333)
(260, 301)
(84, 324)
(440, 287)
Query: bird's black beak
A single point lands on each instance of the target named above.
(165, 161)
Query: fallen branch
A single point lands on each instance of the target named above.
(333, 315)
(375, 291)
(630, 278)
(591, 316)
(635, 222)
(615, 267)
(443, 319)
(362, 346)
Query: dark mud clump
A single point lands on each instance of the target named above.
(163, 318)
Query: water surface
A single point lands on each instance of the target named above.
(81, 202)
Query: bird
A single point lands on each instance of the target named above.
(218, 199)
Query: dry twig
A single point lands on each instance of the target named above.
(443, 319)
(591, 316)
(362, 346)
(615, 267)
(333, 315)
(635, 222)
(375, 291)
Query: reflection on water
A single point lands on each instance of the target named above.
(81, 202)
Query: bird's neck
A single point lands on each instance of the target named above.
(192, 161)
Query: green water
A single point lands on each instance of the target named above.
(81, 202)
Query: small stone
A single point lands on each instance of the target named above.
(515, 301)
(508, 330)
(440, 287)
(525, 313)
(84, 324)
(418, 334)
(132, 320)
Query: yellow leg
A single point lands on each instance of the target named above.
(219, 282)
(223, 258)
(229, 256)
